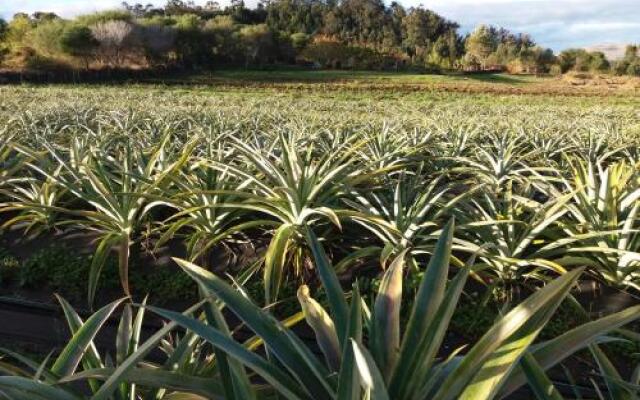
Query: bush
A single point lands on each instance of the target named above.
(165, 285)
(158, 40)
(555, 70)
(116, 38)
(3, 28)
(104, 16)
(300, 40)
(55, 269)
(634, 68)
(46, 38)
(78, 41)
(9, 266)
(333, 54)
(257, 42)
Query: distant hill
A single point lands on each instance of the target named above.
(613, 51)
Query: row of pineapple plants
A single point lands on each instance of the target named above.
(365, 352)
(529, 208)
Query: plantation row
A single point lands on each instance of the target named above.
(426, 209)
(528, 206)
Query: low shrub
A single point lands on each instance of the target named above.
(54, 268)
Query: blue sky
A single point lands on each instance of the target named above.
(557, 24)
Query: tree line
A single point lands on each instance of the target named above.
(347, 34)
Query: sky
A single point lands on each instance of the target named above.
(558, 24)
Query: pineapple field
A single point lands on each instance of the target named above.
(322, 240)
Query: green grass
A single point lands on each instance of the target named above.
(368, 76)
(353, 77)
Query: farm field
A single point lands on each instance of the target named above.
(576, 84)
(434, 237)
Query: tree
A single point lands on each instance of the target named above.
(421, 29)
(45, 37)
(439, 57)
(114, 38)
(569, 59)
(142, 11)
(257, 41)
(179, 7)
(300, 40)
(104, 16)
(326, 52)
(43, 16)
(480, 44)
(193, 43)
(545, 59)
(634, 68)
(394, 33)
(359, 22)
(416, 35)
(455, 47)
(158, 40)
(598, 62)
(296, 16)
(582, 61)
(390, 32)
(224, 33)
(3, 32)
(3, 29)
(195, 34)
(78, 41)
(534, 60)
(623, 66)
(17, 30)
(632, 60)
(631, 52)
(176, 7)
(246, 16)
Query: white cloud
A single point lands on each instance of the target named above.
(554, 23)
(603, 26)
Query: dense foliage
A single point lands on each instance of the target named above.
(215, 180)
(365, 352)
(338, 191)
(353, 34)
